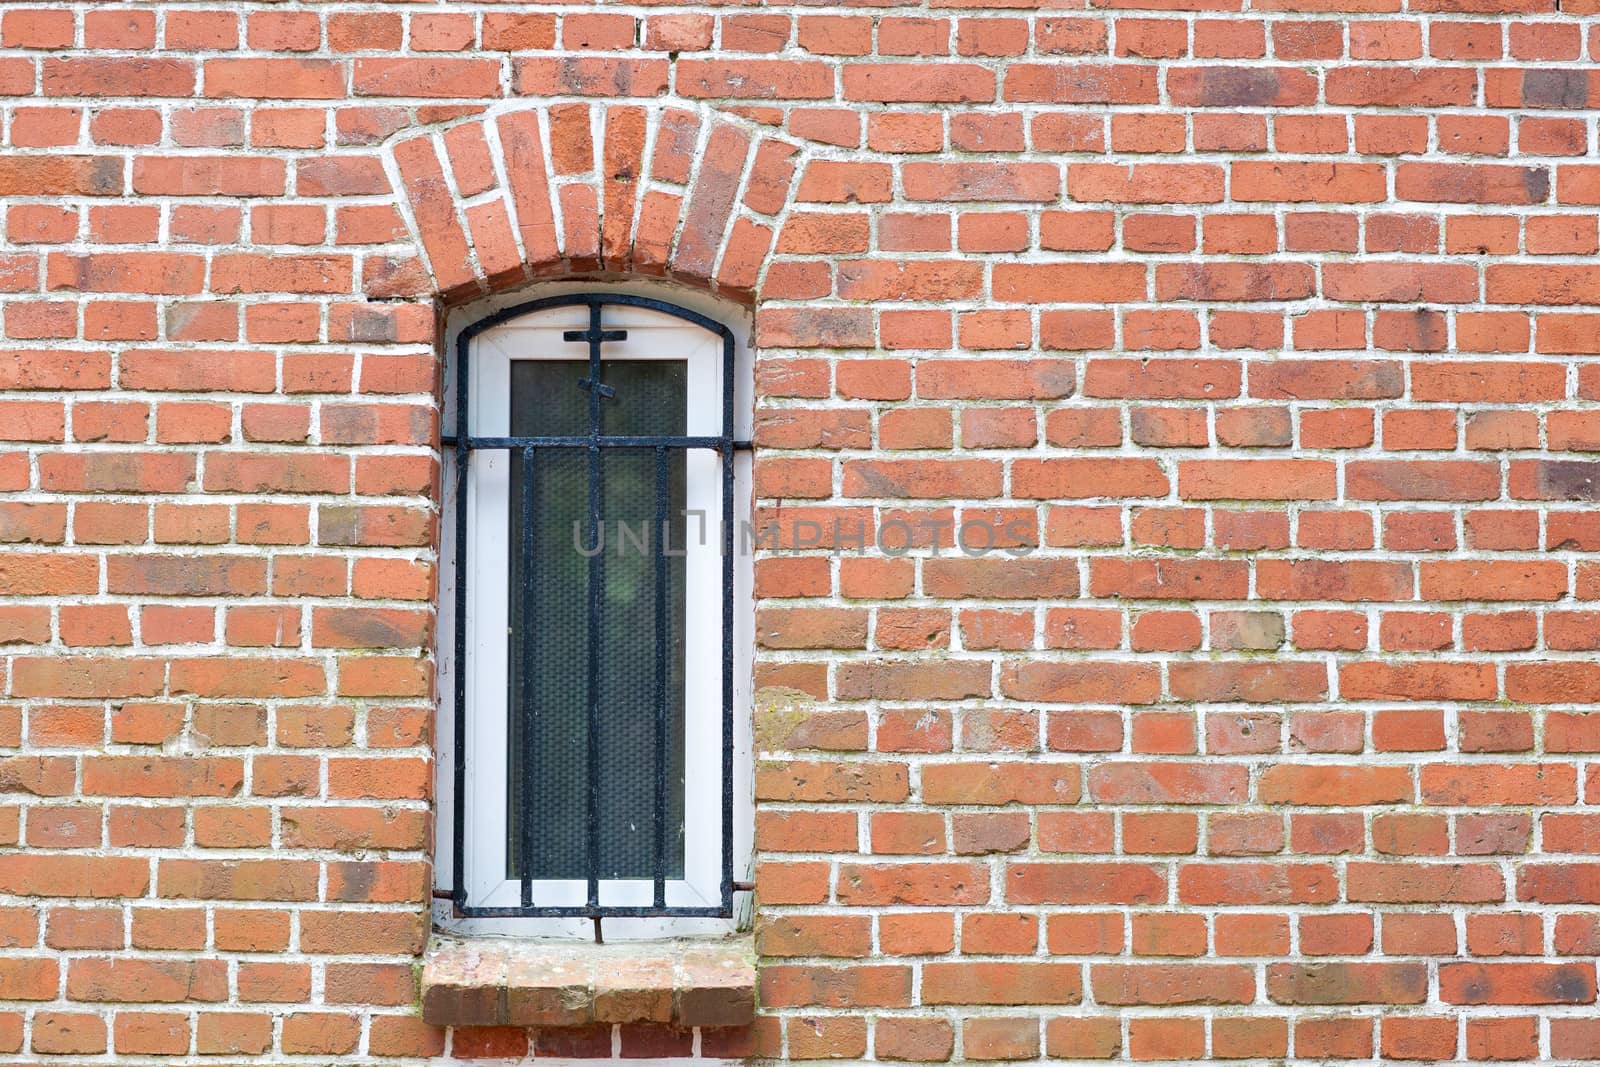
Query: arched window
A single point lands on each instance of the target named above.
(594, 751)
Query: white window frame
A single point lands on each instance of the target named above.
(538, 335)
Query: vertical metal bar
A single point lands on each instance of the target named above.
(727, 618)
(597, 576)
(659, 855)
(525, 642)
(458, 852)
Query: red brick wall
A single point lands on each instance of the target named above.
(1276, 325)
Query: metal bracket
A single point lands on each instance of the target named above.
(593, 336)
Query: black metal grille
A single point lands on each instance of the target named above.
(550, 758)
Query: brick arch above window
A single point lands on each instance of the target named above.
(542, 190)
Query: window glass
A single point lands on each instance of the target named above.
(639, 612)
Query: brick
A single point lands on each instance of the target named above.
(282, 79)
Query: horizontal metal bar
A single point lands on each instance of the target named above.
(581, 912)
(713, 443)
(449, 894)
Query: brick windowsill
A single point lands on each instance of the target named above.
(505, 982)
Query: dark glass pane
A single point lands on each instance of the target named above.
(549, 695)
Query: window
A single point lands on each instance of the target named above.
(594, 750)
